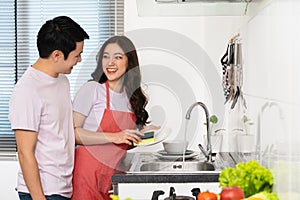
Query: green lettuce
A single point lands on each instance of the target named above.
(250, 176)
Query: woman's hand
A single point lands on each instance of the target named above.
(127, 136)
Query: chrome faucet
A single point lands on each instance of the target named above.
(208, 152)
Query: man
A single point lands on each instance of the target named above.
(41, 113)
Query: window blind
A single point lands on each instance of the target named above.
(7, 61)
(7, 74)
(100, 19)
(20, 21)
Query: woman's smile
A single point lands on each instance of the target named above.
(111, 70)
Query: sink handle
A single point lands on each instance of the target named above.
(207, 153)
(203, 150)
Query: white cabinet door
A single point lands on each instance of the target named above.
(8, 181)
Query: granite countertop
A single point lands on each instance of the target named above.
(129, 174)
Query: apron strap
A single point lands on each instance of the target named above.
(107, 96)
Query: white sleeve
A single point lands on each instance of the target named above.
(25, 109)
(85, 98)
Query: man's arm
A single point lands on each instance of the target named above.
(26, 142)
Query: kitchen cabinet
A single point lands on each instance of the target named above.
(200, 7)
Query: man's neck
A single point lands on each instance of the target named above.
(44, 65)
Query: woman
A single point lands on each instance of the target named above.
(107, 113)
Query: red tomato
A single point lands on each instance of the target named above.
(232, 193)
(207, 196)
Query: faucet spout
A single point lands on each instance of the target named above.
(208, 151)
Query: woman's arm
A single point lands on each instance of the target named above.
(86, 137)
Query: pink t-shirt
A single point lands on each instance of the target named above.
(43, 104)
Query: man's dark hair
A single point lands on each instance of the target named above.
(60, 33)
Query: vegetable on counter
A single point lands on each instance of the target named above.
(114, 197)
(250, 176)
(232, 193)
(207, 196)
(264, 196)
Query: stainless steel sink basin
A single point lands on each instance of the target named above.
(177, 166)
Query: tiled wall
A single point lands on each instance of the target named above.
(272, 75)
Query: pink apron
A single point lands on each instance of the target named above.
(95, 164)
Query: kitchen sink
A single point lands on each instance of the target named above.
(149, 163)
(177, 166)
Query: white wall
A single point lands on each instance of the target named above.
(272, 75)
(271, 65)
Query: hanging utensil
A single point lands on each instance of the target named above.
(233, 72)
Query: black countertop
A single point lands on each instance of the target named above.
(165, 178)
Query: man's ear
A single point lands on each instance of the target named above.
(56, 55)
